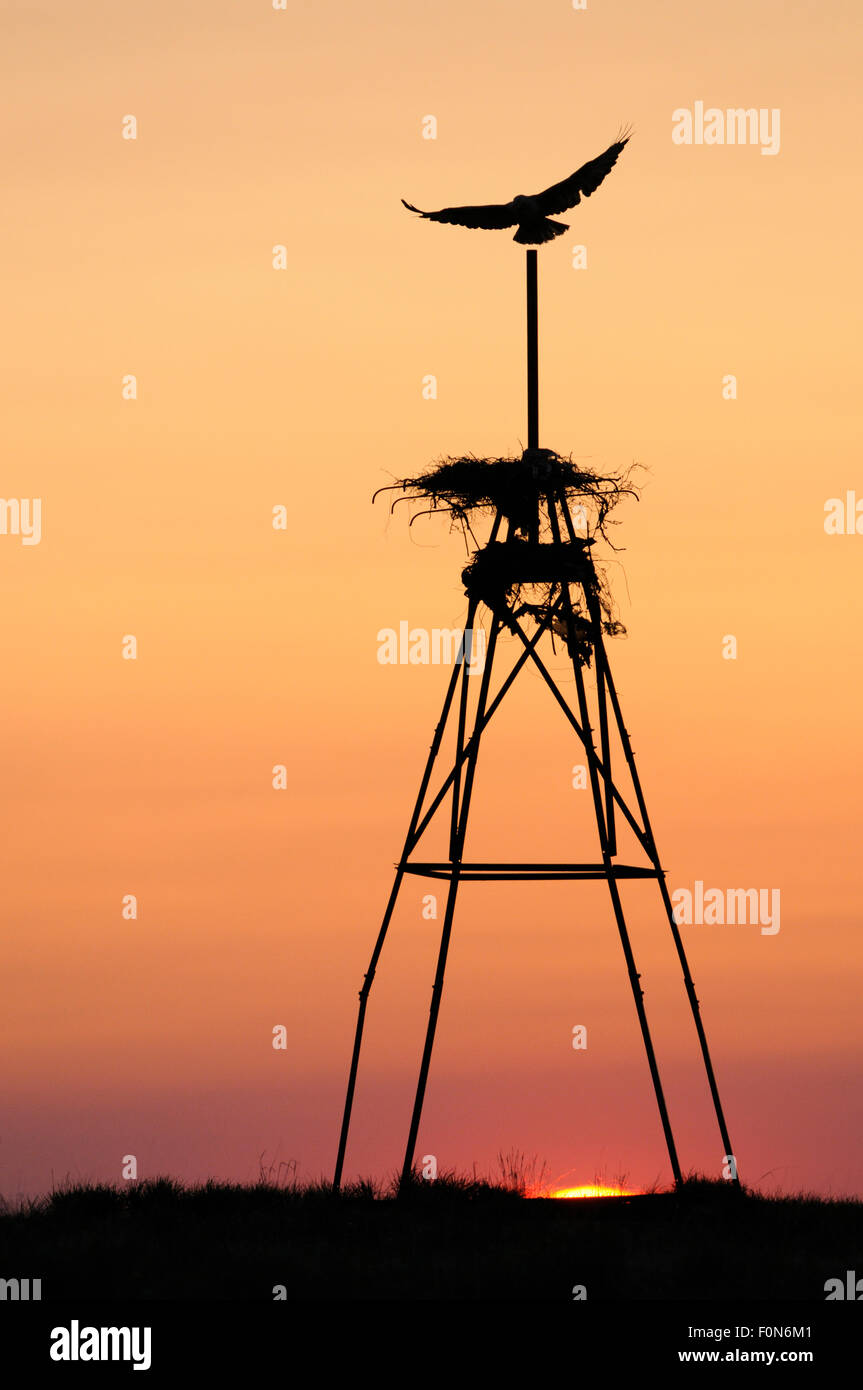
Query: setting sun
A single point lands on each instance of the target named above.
(591, 1190)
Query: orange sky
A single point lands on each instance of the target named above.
(302, 387)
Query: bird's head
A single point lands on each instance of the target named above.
(520, 198)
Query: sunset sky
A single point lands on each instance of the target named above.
(302, 387)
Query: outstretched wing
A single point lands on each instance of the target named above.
(586, 180)
(490, 215)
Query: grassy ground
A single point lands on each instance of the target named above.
(456, 1238)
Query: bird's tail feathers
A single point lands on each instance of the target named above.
(539, 235)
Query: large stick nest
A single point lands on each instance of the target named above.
(468, 487)
(532, 566)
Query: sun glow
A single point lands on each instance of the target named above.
(591, 1190)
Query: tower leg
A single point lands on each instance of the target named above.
(617, 905)
(666, 899)
(605, 746)
(604, 674)
(379, 944)
(460, 815)
(605, 829)
(462, 717)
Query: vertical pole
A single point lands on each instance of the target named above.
(532, 355)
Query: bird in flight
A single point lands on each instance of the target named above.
(531, 215)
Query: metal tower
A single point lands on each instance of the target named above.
(516, 555)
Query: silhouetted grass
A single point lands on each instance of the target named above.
(458, 1237)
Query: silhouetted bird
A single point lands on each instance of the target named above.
(531, 214)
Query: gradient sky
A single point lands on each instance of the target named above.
(302, 387)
